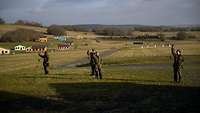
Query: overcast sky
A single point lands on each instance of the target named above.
(145, 12)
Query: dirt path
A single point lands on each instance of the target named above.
(85, 61)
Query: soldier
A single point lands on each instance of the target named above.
(98, 65)
(45, 61)
(88, 53)
(178, 64)
(91, 54)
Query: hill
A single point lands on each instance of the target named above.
(79, 34)
(146, 28)
(9, 27)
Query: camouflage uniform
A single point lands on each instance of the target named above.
(45, 61)
(98, 65)
(177, 65)
(91, 55)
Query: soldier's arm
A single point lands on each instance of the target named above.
(173, 50)
(88, 52)
(182, 60)
(47, 58)
(101, 61)
(41, 55)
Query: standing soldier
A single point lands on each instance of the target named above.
(91, 54)
(178, 64)
(88, 54)
(98, 65)
(45, 61)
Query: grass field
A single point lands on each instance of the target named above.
(166, 34)
(134, 80)
(9, 27)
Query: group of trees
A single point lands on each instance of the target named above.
(20, 35)
(142, 28)
(148, 37)
(113, 32)
(181, 35)
(184, 35)
(106, 30)
(23, 22)
(2, 21)
(29, 23)
(56, 30)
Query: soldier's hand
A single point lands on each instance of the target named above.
(181, 67)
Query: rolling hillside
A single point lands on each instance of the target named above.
(8, 27)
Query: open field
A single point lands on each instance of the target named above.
(78, 35)
(99, 56)
(5, 28)
(134, 80)
(75, 34)
(167, 34)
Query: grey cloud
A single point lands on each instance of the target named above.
(154, 12)
(16, 4)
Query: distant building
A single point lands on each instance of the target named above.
(4, 51)
(37, 48)
(61, 38)
(138, 43)
(79, 37)
(20, 48)
(29, 49)
(44, 39)
(64, 46)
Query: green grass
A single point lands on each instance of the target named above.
(121, 90)
(9, 27)
(12, 45)
(167, 34)
(149, 60)
(24, 88)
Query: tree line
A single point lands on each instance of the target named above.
(124, 31)
(20, 35)
(142, 28)
(23, 22)
(29, 23)
(105, 29)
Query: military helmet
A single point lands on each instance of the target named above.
(97, 53)
(93, 49)
(178, 51)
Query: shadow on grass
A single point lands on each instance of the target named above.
(51, 76)
(12, 102)
(46, 77)
(137, 80)
(100, 97)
